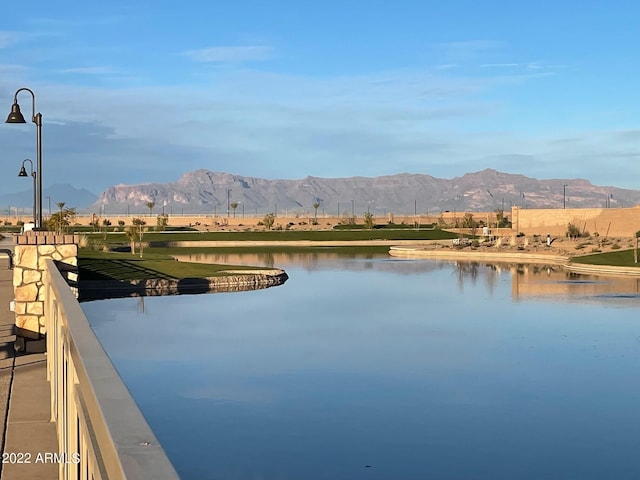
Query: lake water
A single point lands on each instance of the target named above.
(378, 368)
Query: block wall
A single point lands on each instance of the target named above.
(611, 222)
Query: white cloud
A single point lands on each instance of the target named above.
(284, 126)
(230, 54)
(104, 70)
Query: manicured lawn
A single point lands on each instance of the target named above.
(619, 258)
(95, 265)
(346, 251)
(283, 235)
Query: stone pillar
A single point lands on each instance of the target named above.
(30, 254)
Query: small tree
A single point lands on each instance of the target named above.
(268, 220)
(150, 206)
(60, 216)
(161, 223)
(58, 221)
(369, 221)
(502, 220)
(233, 206)
(467, 221)
(134, 233)
(635, 251)
(315, 210)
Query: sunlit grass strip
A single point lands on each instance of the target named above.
(341, 251)
(95, 265)
(284, 235)
(619, 258)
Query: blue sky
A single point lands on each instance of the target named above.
(144, 91)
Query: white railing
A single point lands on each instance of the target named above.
(101, 431)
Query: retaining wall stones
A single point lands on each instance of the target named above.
(30, 253)
(232, 281)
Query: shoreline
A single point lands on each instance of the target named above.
(563, 260)
(232, 281)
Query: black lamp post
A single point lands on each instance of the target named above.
(23, 173)
(16, 117)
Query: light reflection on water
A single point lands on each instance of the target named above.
(389, 369)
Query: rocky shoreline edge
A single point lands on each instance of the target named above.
(231, 281)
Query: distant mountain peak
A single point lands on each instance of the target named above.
(205, 191)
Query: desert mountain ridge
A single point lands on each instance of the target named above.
(204, 191)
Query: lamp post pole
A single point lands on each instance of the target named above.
(16, 117)
(564, 195)
(23, 173)
(49, 209)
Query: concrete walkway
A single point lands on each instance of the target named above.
(26, 429)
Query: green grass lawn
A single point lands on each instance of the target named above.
(341, 251)
(619, 258)
(281, 235)
(94, 265)
(158, 263)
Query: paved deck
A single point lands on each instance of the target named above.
(25, 424)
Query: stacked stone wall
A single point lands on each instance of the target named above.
(31, 252)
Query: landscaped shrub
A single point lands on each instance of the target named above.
(268, 220)
(572, 231)
(369, 221)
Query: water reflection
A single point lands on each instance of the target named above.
(528, 281)
(389, 369)
(329, 259)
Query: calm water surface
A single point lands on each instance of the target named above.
(378, 368)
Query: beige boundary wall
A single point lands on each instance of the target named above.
(251, 220)
(616, 222)
(610, 222)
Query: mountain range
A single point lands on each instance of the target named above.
(203, 191)
(23, 200)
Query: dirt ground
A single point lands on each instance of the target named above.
(560, 245)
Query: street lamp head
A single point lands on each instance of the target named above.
(23, 172)
(16, 115)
